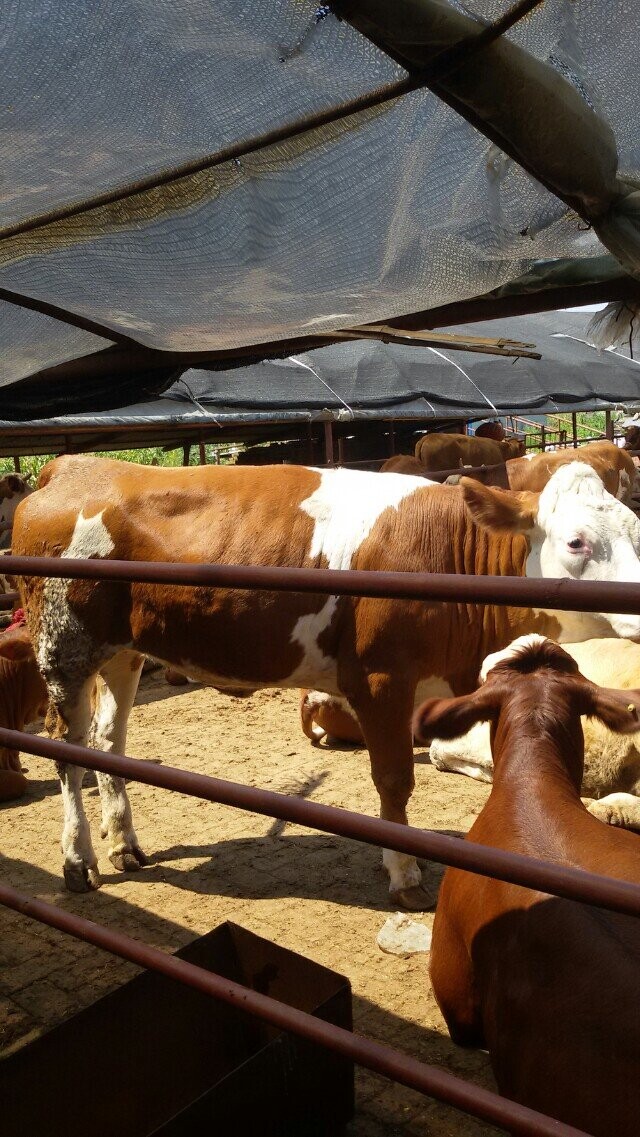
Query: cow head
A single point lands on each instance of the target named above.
(575, 529)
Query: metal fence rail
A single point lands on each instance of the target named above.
(392, 1064)
(548, 592)
(559, 880)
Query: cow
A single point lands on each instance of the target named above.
(494, 430)
(23, 699)
(404, 464)
(550, 987)
(377, 653)
(451, 451)
(632, 437)
(614, 465)
(611, 776)
(13, 489)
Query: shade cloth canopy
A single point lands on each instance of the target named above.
(191, 177)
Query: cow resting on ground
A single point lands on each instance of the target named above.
(612, 762)
(550, 987)
(377, 653)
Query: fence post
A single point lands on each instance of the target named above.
(186, 453)
(328, 444)
(608, 425)
(574, 427)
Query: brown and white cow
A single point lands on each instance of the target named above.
(613, 464)
(550, 987)
(13, 489)
(377, 653)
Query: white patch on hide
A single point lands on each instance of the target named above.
(91, 538)
(66, 652)
(316, 668)
(346, 506)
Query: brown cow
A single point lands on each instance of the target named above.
(376, 653)
(494, 430)
(404, 464)
(451, 451)
(13, 489)
(23, 698)
(550, 987)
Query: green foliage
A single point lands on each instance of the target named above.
(147, 456)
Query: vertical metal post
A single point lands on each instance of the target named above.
(186, 453)
(608, 425)
(328, 444)
(543, 438)
(574, 428)
(202, 454)
(16, 464)
(341, 442)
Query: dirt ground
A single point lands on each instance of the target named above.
(322, 896)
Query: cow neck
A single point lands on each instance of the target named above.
(503, 554)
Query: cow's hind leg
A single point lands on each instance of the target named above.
(69, 719)
(384, 713)
(116, 690)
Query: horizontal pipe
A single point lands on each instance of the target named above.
(549, 592)
(383, 1060)
(7, 600)
(559, 880)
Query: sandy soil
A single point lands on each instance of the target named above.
(319, 895)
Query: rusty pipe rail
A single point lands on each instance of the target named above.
(383, 1060)
(548, 592)
(8, 599)
(559, 880)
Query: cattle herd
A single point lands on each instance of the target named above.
(550, 987)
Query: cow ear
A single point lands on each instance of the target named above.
(15, 483)
(504, 510)
(16, 645)
(618, 710)
(451, 718)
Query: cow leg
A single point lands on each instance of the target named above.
(384, 713)
(451, 974)
(69, 721)
(622, 810)
(116, 692)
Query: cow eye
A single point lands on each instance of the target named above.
(576, 544)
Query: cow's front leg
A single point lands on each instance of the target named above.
(69, 721)
(115, 693)
(384, 713)
(622, 810)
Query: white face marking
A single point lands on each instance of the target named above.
(576, 510)
(346, 506)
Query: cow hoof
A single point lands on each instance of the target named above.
(416, 898)
(81, 877)
(129, 860)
